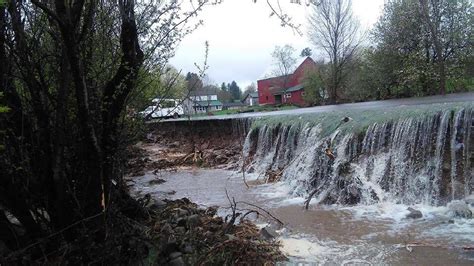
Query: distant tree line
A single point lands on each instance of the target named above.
(416, 48)
(226, 92)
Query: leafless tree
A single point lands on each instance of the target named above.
(334, 29)
(285, 62)
(250, 89)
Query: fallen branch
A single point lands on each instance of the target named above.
(308, 200)
(235, 214)
(260, 208)
(273, 176)
(243, 169)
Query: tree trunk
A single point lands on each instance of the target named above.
(441, 71)
(437, 45)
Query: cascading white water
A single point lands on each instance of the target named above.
(419, 157)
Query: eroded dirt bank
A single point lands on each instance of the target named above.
(213, 143)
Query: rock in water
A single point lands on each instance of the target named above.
(414, 214)
(470, 200)
(268, 233)
(459, 209)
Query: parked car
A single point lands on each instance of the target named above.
(163, 108)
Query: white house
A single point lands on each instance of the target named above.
(202, 101)
(251, 99)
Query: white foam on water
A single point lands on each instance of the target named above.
(261, 225)
(303, 248)
(458, 230)
(274, 190)
(293, 201)
(435, 223)
(280, 193)
(248, 176)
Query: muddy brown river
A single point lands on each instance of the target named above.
(331, 235)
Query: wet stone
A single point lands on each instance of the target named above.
(193, 220)
(208, 234)
(470, 200)
(230, 237)
(268, 232)
(414, 214)
(459, 209)
(156, 181)
(181, 212)
(175, 255)
(156, 204)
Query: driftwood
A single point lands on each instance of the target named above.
(236, 212)
(244, 165)
(196, 156)
(329, 154)
(273, 176)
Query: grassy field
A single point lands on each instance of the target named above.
(250, 109)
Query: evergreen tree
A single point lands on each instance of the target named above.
(235, 91)
(305, 52)
(224, 87)
(194, 82)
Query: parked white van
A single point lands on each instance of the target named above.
(163, 108)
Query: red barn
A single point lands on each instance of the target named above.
(285, 89)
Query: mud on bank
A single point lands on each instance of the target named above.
(212, 143)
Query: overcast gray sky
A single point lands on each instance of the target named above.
(242, 36)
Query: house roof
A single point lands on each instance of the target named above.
(303, 62)
(208, 103)
(278, 91)
(157, 100)
(277, 77)
(295, 88)
(252, 94)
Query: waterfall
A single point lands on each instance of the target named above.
(415, 155)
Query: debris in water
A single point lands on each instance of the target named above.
(329, 153)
